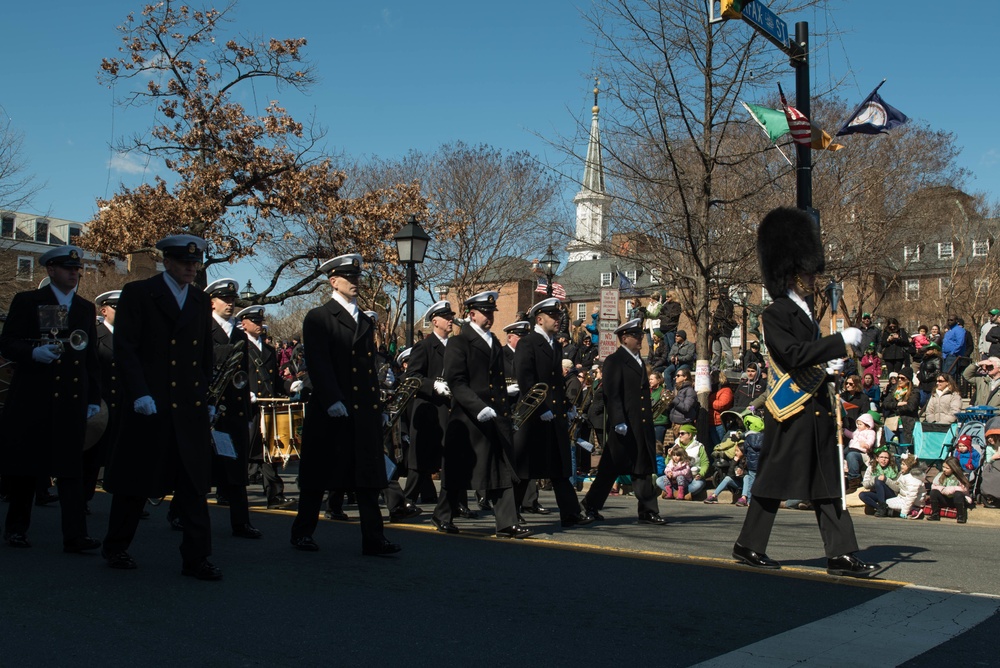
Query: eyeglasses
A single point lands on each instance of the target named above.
(849, 383)
(941, 380)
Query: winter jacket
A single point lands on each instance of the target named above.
(953, 343)
(911, 489)
(698, 456)
(595, 333)
(862, 440)
(684, 352)
(930, 367)
(949, 486)
(890, 477)
(722, 400)
(898, 348)
(753, 440)
(969, 460)
(941, 408)
(871, 363)
(683, 408)
(674, 469)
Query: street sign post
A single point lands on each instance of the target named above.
(609, 304)
(607, 323)
(767, 24)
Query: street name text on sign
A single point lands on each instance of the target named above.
(767, 23)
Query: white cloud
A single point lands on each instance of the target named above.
(128, 164)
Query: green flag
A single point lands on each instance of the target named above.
(772, 121)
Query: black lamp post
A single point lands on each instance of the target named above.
(411, 244)
(743, 292)
(834, 291)
(248, 292)
(549, 263)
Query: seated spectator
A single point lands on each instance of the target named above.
(860, 446)
(967, 456)
(681, 356)
(870, 387)
(903, 403)
(676, 474)
(944, 402)
(750, 392)
(950, 488)
(855, 400)
(911, 487)
(993, 439)
(880, 482)
(684, 407)
(657, 359)
(727, 453)
(721, 400)
(984, 376)
(871, 362)
(733, 481)
(697, 460)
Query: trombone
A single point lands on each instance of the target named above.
(528, 404)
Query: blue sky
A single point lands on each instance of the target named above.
(396, 76)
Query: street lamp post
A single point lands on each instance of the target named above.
(549, 263)
(248, 292)
(834, 291)
(411, 244)
(743, 292)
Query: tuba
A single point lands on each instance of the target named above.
(666, 396)
(528, 404)
(229, 372)
(400, 400)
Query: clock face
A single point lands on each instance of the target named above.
(873, 113)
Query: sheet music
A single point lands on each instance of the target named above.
(223, 444)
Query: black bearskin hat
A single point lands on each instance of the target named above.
(788, 243)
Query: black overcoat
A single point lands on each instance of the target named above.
(429, 411)
(45, 414)
(164, 352)
(626, 393)
(799, 457)
(476, 453)
(235, 420)
(541, 449)
(111, 390)
(264, 382)
(345, 452)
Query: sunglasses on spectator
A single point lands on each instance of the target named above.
(941, 380)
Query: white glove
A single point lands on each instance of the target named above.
(405, 438)
(852, 336)
(441, 387)
(46, 354)
(92, 410)
(621, 429)
(586, 445)
(486, 415)
(145, 405)
(834, 367)
(390, 377)
(571, 413)
(212, 411)
(547, 416)
(337, 410)
(513, 389)
(253, 397)
(296, 386)
(385, 419)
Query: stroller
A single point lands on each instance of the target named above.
(987, 491)
(722, 466)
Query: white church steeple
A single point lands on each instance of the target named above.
(592, 200)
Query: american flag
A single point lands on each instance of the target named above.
(798, 124)
(558, 291)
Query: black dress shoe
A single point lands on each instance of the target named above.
(380, 549)
(590, 511)
(202, 570)
(467, 513)
(514, 532)
(484, 504)
(445, 527)
(45, 499)
(247, 531)
(121, 560)
(850, 566)
(408, 511)
(652, 518)
(579, 519)
(81, 544)
(305, 543)
(175, 523)
(755, 559)
(537, 509)
(280, 503)
(339, 516)
(520, 519)
(16, 539)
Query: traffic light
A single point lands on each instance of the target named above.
(733, 9)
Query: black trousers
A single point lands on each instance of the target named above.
(566, 500)
(835, 526)
(187, 505)
(938, 499)
(504, 509)
(607, 472)
(274, 486)
(420, 485)
(21, 496)
(311, 502)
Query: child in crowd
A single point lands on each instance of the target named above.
(871, 362)
(993, 439)
(880, 482)
(727, 453)
(686, 437)
(676, 474)
(967, 456)
(753, 440)
(872, 389)
(911, 488)
(950, 488)
(862, 441)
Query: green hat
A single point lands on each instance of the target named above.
(876, 416)
(932, 345)
(657, 333)
(689, 428)
(995, 311)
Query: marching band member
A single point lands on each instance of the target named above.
(515, 331)
(163, 348)
(111, 390)
(263, 382)
(53, 391)
(479, 429)
(431, 405)
(234, 408)
(541, 445)
(800, 458)
(631, 446)
(342, 431)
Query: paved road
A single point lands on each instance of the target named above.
(589, 596)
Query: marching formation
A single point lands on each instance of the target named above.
(185, 386)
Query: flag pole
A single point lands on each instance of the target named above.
(764, 128)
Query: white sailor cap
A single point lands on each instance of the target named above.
(342, 265)
(403, 354)
(183, 247)
(442, 308)
(224, 287)
(371, 314)
(552, 306)
(521, 327)
(485, 302)
(633, 326)
(62, 256)
(252, 313)
(109, 298)
(44, 282)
